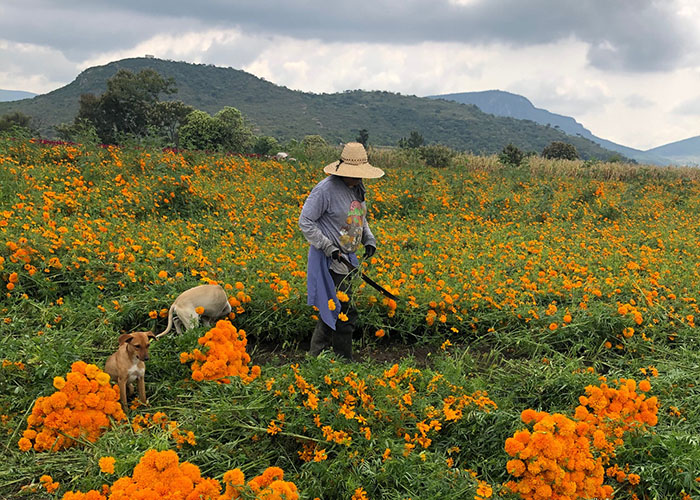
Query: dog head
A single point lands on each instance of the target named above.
(137, 343)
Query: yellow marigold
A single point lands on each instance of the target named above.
(163, 274)
(342, 296)
(102, 378)
(199, 310)
(107, 464)
(331, 305)
(59, 382)
(379, 333)
(342, 317)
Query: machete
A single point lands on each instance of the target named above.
(367, 279)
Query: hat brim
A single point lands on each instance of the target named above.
(361, 171)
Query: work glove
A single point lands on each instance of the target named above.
(369, 251)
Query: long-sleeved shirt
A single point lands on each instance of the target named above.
(334, 218)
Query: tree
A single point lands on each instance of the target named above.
(128, 105)
(558, 150)
(363, 137)
(200, 131)
(236, 136)
(265, 145)
(167, 117)
(436, 155)
(414, 140)
(17, 124)
(511, 156)
(225, 131)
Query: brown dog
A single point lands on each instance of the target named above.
(127, 364)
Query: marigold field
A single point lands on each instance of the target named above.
(544, 345)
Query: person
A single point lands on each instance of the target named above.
(334, 222)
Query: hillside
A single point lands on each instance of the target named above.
(287, 114)
(686, 151)
(500, 103)
(14, 95)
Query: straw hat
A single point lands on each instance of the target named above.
(353, 163)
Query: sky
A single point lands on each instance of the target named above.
(628, 70)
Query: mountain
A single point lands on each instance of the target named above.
(288, 114)
(14, 95)
(686, 152)
(500, 103)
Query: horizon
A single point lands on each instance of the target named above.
(149, 56)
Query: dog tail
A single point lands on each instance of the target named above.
(170, 322)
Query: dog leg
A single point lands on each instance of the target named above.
(122, 392)
(190, 321)
(142, 390)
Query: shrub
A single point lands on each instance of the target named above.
(437, 155)
(511, 156)
(558, 150)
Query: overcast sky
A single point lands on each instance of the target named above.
(628, 70)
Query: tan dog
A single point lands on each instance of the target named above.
(211, 298)
(127, 364)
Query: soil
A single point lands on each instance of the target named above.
(389, 353)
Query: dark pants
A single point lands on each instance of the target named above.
(340, 338)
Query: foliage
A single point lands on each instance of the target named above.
(17, 124)
(265, 145)
(313, 148)
(167, 117)
(511, 156)
(436, 155)
(363, 137)
(81, 131)
(413, 141)
(225, 131)
(129, 106)
(558, 150)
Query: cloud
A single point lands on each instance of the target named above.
(638, 101)
(691, 107)
(640, 36)
(25, 66)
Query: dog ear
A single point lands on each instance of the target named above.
(125, 337)
(151, 336)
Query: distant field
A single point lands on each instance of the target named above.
(529, 288)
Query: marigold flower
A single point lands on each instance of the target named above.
(107, 464)
(25, 444)
(331, 305)
(80, 408)
(199, 310)
(379, 333)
